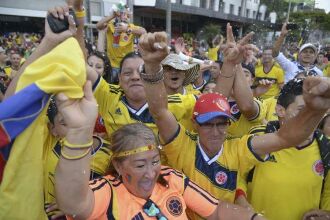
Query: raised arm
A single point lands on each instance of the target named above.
(244, 96)
(73, 195)
(154, 48)
(316, 93)
(280, 40)
(50, 41)
(233, 56)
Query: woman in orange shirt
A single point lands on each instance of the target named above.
(138, 187)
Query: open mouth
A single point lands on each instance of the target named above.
(175, 78)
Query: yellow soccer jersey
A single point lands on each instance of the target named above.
(218, 176)
(269, 106)
(126, 44)
(116, 112)
(191, 89)
(99, 165)
(326, 71)
(213, 53)
(275, 74)
(290, 181)
(242, 125)
(8, 70)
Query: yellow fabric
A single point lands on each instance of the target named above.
(22, 187)
(270, 108)
(276, 74)
(242, 126)
(191, 90)
(135, 151)
(116, 114)
(99, 165)
(213, 53)
(8, 70)
(126, 44)
(183, 154)
(326, 71)
(287, 186)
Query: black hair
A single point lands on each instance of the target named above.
(321, 125)
(249, 67)
(289, 92)
(127, 56)
(107, 65)
(52, 110)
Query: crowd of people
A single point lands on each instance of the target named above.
(145, 127)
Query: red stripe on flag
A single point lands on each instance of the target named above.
(2, 166)
(4, 138)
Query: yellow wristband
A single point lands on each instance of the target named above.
(80, 14)
(75, 146)
(77, 157)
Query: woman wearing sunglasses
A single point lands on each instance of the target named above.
(137, 186)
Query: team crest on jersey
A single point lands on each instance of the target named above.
(221, 177)
(318, 168)
(234, 109)
(174, 206)
(125, 38)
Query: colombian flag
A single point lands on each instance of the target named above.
(23, 128)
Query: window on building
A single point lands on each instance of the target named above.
(231, 9)
(239, 11)
(247, 13)
(254, 14)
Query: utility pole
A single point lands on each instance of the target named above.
(168, 19)
(289, 9)
(130, 4)
(243, 14)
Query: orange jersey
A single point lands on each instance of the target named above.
(113, 201)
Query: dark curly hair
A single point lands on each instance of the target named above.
(289, 92)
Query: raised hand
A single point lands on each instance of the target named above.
(153, 48)
(234, 53)
(284, 30)
(78, 114)
(179, 45)
(316, 92)
(60, 12)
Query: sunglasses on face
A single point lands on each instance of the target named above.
(152, 210)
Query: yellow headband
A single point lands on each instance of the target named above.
(135, 151)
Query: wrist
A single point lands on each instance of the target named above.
(79, 135)
(151, 68)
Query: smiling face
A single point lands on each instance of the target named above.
(173, 80)
(307, 56)
(130, 81)
(140, 172)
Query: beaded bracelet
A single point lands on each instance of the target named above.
(152, 78)
(76, 157)
(80, 14)
(76, 146)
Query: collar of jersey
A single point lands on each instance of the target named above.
(205, 157)
(134, 111)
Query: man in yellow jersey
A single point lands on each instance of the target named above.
(214, 47)
(120, 35)
(15, 60)
(290, 182)
(270, 72)
(208, 158)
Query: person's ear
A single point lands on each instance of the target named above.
(51, 128)
(117, 166)
(280, 111)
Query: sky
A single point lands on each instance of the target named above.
(323, 4)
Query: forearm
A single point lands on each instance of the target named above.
(72, 176)
(244, 96)
(278, 45)
(104, 21)
(227, 211)
(80, 35)
(101, 41)
(297, 129)
(225, 80)
(44, 47)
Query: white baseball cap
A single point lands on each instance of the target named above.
(308, 45)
